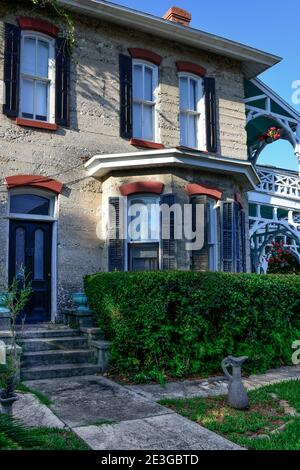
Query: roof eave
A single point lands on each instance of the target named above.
(254, 61)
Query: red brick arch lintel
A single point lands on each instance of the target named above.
(35, 181)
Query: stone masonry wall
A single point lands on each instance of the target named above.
(95, 129)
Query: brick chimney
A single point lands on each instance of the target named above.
(178, 16)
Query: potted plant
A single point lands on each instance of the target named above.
(7, 393)
(271, 135)
(14, 299)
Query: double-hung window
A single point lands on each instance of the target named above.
(143, 233)
(37, 90)
(191, 103)
(145, 82)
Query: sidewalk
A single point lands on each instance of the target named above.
(212, 386)
(108, 416)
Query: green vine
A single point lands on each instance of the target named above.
(58, 11)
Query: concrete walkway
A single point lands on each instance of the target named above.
(108, 416)
(212, 386)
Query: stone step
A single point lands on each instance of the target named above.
(45, 333)
(47, 344)
(43, 358)
(57, 371)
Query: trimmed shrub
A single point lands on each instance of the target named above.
(184, 323)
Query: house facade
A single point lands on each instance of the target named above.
(143, 111)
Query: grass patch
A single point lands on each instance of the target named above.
(15, 436)
(267, 425)
(39, 395)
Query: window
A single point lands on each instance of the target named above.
(145, 81)
(143, 233)
(212, 227)
(191, 101)
(29, 204)
(37, 93)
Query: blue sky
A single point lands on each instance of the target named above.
(272, 26)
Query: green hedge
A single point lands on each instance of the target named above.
(183, 323)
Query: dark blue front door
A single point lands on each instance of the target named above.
(30, 246)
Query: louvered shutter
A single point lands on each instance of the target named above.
(237, 244)
(243, 241)
(62, 83)
(168, 251)
(12, 70)
(227, 236)
(116, 243)
(125, 71)
(210, 114)
(199, 258)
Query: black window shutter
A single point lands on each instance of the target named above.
(12, 69)
(62, 83)
(116, 242)
(168, 252)
(243, 240)
(125, 70)
(227, 236)
(210, 114)
(199, 258)
(237, 240)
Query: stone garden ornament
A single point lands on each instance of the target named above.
(237, 395)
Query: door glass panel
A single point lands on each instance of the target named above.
(29, 204)
(39, 255)
(20, 252)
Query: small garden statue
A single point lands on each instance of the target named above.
(237, 395)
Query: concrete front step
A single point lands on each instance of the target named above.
(57, 371)
(47, 344)
(41, 358)
(47, 333)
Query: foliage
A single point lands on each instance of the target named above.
(255, 428)
(42, 398)
(274, 133)
(281, 260)
(184, 323)
(17, 296)
(15, 436)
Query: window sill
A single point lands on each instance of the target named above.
(146, 144)
(195, 149)
(37, 124)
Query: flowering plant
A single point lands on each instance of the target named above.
(281, 260)
(273, 133)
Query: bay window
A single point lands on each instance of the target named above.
(143, 233)
(145, 81)
(37, 87)
(191, 103)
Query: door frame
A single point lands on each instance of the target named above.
(53, 219)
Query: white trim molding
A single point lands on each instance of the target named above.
(101, 165)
